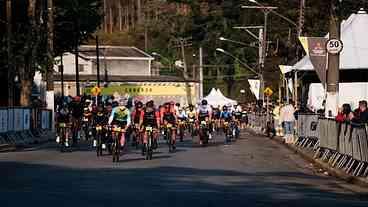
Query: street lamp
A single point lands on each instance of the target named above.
(237, 42)
(237, 59)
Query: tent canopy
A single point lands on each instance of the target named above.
(354, 55)
(215, 98)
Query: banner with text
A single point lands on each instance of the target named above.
(315, 47)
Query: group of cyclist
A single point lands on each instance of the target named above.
(144, 122)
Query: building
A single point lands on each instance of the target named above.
(125, 70)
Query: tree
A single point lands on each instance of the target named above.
(73, 18)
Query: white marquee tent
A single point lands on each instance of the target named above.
(215, 98)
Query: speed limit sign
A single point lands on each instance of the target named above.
(334, 46)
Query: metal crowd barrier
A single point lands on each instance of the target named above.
(258, 121)
(307, 128)
(21, 126)
(342, 145)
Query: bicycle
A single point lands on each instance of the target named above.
(136, 136)
(204, 133)
(167, 132)
(63, 139)
(149, 150)
(181, 127)
(116, 145)
(99, 134)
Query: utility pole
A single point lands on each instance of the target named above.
(98, 61)
(62, 74)
(333, 62)
(185, 73)
(200, 73)
(77, 59)
(10, 71)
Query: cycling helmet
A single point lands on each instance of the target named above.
(177, 104)
(115, 104)
(77, 98)
(224, 108)
(150, 104)
(138, 104)
(204, 102)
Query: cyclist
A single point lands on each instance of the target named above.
(76, 108)
(87, 121)
(216, 117)
(168, 116)
(120, 116)
(100, 119)
(191, 113)
(238, 116)
(136, 120)
(182, 118)
(204, 113)
(63, 118)
(226, 117)
(150, 117)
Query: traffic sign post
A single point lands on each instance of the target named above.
(268, 92)
(334, 46)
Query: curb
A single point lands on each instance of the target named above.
(332, 171)
(7, 148)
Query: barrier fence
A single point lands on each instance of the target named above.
(342, 145)
(22, 126)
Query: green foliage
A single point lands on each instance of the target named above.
(75, 20)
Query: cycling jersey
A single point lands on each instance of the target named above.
(136, 116)
(203, 112)
(191, 114)
(100, 118)
(120, 115)
(216, 113)
(76, 109)
(237, 115)
(182, 115)
(226, 115)
(150, 117)
(63, 116)
(169, 117)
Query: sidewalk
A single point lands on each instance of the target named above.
(308, 156)
(24, 139)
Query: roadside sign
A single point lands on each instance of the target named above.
(334, 46)
(96, 91)
(268, 92)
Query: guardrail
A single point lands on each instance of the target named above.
(21, 126)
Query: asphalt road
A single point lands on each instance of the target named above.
(254, 171)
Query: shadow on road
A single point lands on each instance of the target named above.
(33, 184)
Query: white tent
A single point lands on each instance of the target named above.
(215, 98)
(354, 37)
(228, 100)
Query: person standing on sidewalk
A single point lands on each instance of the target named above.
(277, 121)
(287, 119)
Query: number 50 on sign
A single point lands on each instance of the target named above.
(334, 46)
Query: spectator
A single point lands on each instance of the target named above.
(288, 119)
(277, 121)
(321, 111)
(360, 114)
(344, 113)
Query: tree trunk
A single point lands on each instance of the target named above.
(139, 12)
(25, 92)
